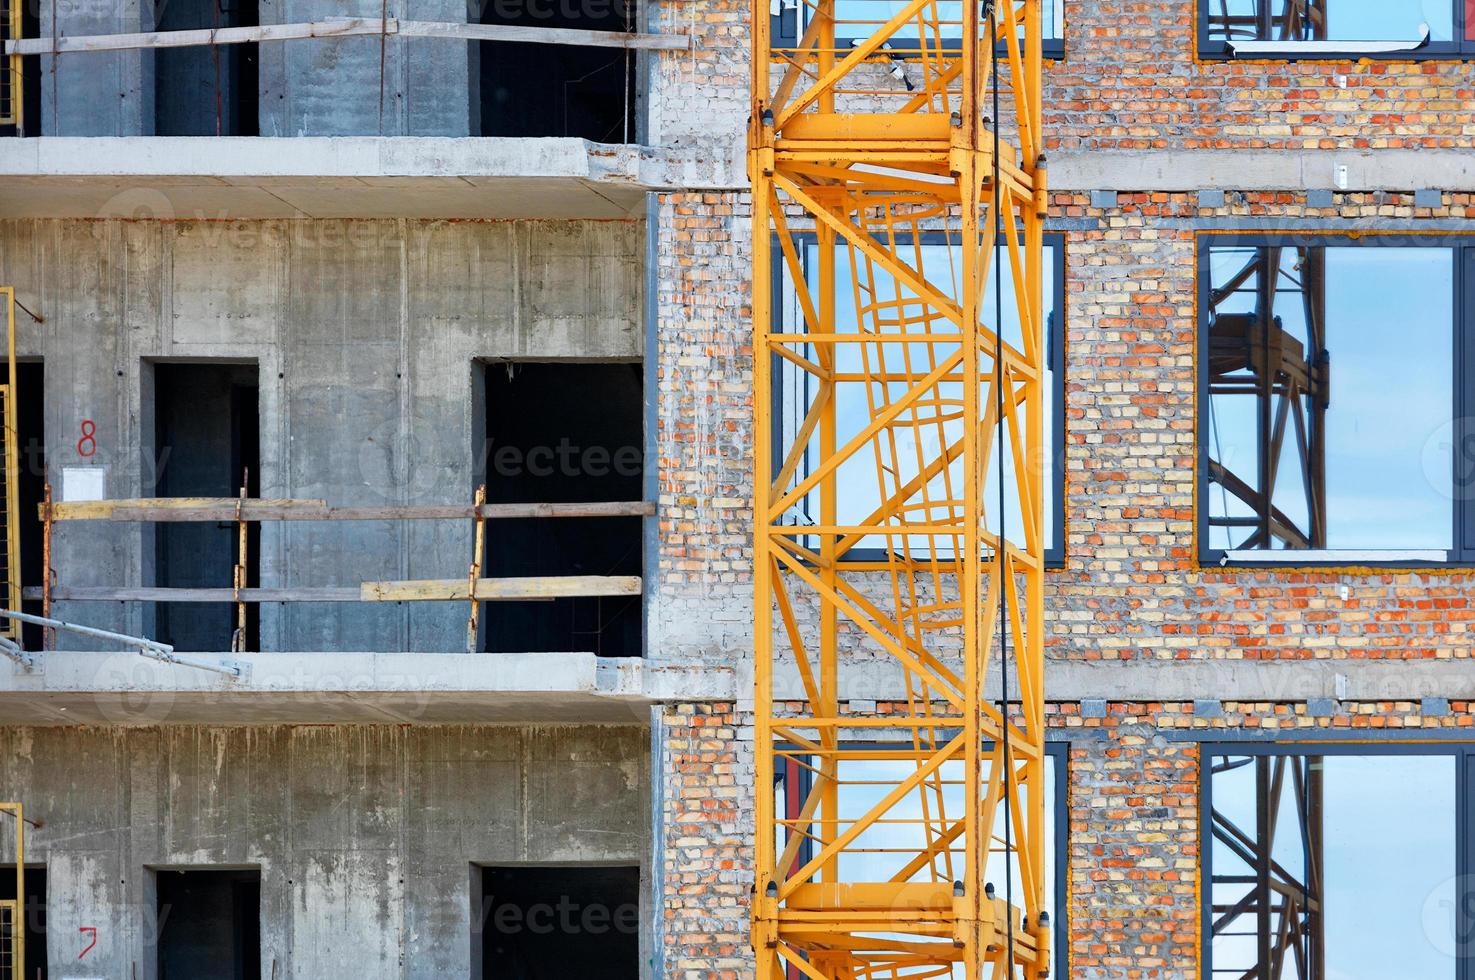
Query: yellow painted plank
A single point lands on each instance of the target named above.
(502, 589)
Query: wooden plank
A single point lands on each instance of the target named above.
(430, 590)
(349, 27)
(336, 27)
(545, 35)
(187, 509)
(163, 509)
(502, 589)
(83, 593)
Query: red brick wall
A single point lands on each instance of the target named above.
(1133, 850)
(1130, 80)
(706, 857)
(703, 605)
(1132, 588)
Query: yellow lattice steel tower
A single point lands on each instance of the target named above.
(880, 206)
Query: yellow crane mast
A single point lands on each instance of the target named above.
(896, 158)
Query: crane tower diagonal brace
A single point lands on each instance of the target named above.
(898, 513)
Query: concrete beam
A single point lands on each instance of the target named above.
(1247, 170)
(71, 687)
(286, 688)
(1220, 680)
(312, 177)
(438, 177)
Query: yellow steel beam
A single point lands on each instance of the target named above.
(878, 134)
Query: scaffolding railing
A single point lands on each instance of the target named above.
(243, 511)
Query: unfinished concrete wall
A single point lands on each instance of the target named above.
(108, 93)
(366, 335)
(360, 86)
(365, 836)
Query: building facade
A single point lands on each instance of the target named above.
(382, 269)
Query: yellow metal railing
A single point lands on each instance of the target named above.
(12, 82)
(13, 911)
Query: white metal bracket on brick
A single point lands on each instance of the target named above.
(152, 649)
(349, 27)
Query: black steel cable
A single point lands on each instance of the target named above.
(1001, 554)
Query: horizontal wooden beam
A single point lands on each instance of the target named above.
(205, 509)
(429, 590)
(503, 589)
(347, 27)
(545, 35)
(85, 593)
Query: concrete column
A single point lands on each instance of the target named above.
(97, 94)
(362, 86)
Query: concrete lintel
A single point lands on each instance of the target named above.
(1192, 170)
(1196, 681)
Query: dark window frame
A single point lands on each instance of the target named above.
(1055, 352)
(1462, 511)
(1462, 752)
(1058, 862)
(1458, 48)
(785, 32)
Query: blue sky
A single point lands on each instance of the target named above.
(1390, 316)
(1389, 845)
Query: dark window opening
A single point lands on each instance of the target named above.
(1309, 28)
(206, 442)
(30, 418)
(207, 90)
(559, 89)
(35, 915)
(564, 433)
(209, 924)
(1295, 839)
(537, 923)
(1310, 445)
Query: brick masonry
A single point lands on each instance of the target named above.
(1131, 80)
(1131, 587)
(1133, 849)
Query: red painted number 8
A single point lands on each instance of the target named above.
(87, 445)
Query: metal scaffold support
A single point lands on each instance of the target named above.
(899, 192)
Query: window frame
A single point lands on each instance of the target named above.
(1055, 352)
(1461, 248)
(785, 31)
(1458, 48)
(1462, 752)
(1058, 862)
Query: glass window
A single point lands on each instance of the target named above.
(1327, 394)
(859, 19)
(899, 458)
(1400, 26)
(1330, 864)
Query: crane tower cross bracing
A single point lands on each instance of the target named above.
(896, 158)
